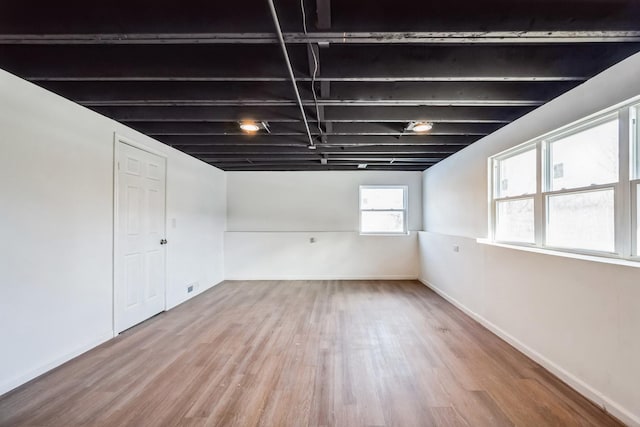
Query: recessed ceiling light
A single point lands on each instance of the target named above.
(419, 127)
(250, 126)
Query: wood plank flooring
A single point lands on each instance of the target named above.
(303, 353)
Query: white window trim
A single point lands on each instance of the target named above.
(625, 189)
(405, 210)
(496, 179)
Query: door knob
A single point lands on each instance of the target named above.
(163, 241)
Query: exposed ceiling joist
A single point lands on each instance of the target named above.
(328, 167)
(324, 102)
(351, 140)
(295, 158)
(261, 94)
(293, 129)
(391, 150)
(187, 74)
(333, 114)
(421, 37)
(340, 63)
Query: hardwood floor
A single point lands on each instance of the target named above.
(316, 353)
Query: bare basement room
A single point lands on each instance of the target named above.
(320, 213)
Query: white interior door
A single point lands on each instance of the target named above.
(139, 288)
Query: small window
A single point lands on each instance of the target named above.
(383, 209)
(515, 185)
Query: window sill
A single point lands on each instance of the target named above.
(386, 234)
(605, 260)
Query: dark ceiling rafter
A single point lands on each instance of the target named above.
(341, 63)
(342, 114)
(386, 37)
(187, 73)
(301, 140)
(325, 148)
(161, 128)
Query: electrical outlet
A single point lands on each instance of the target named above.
(312, 240)
(193, 287)
(456, 248)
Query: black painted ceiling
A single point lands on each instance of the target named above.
(187, 72)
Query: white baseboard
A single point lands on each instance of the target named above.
(322, 277)
(571, 380)
(15, 382)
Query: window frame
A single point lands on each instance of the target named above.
(548, 192)
(495, 196)
(625, 189)
(404, 210)
(634, 178)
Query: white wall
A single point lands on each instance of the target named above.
(271, 217)
(578, 318)
(56, 216)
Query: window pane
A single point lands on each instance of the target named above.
(382, 222)
(515, 221)
(382, 198)
(637, 219)
(636, 150)
(581, 220)
(589, 157)
(517, 174)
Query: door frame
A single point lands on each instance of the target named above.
(117, 140)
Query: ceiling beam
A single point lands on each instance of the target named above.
(476, 78)
(298, 160)
(295, 129)
(311, 156)
(421, 37)
(279, 94)
(314, 163)
(321, 167)
(333, 114)
(365, 63)
(300, 140)
(325, 102)
(258, 150)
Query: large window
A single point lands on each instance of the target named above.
(575, 189)
(383, 209)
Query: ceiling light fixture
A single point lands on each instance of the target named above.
(420, 127)
(250, 126)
